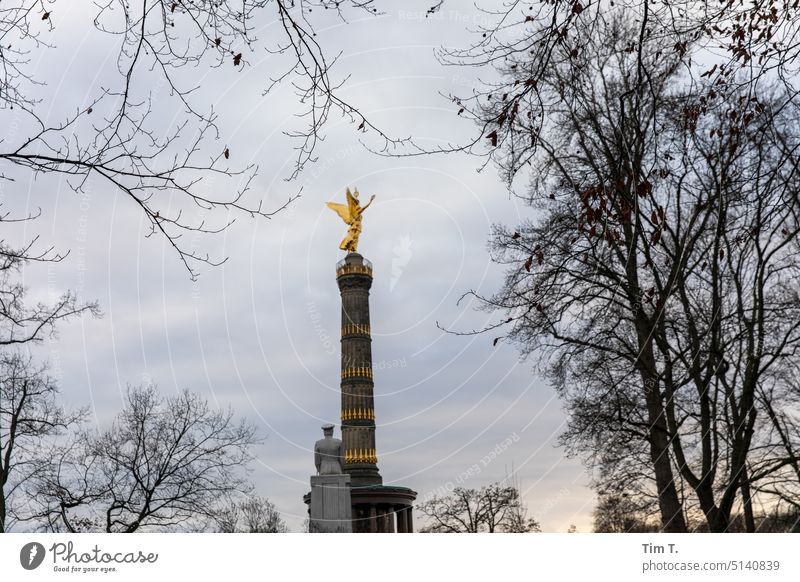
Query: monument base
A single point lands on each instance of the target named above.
(330, 506)
(382, 509)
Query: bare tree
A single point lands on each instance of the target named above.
(118, 135)
(252, 515)
(163, 464)
(29, 412)
(780, 463)
(620, 513)
(30, 417)
(598, 133)
(659, 282)
(494, 508)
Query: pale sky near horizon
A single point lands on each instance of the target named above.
(260, 333)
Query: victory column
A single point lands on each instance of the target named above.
(375, 507)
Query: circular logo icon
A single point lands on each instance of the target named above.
(31, 555)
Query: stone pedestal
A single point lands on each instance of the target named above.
(330, 507)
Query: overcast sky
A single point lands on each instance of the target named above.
(261, 332)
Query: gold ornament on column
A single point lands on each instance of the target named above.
(351, 214)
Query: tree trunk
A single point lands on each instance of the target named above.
(747, 503)
(717, 520)
(672, 520)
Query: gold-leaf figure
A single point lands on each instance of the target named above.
(351, 214)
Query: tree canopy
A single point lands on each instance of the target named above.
(656, 281)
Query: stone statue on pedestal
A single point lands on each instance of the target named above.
(329, 453)
(330, 507)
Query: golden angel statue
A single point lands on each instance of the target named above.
(351, 214)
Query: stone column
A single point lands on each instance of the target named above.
(373, 519)
(401, 519)
(410, 519)
(381, 521)
(354, 277)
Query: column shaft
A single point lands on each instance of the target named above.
(401, 519)
(373, 519)
(354, 277)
